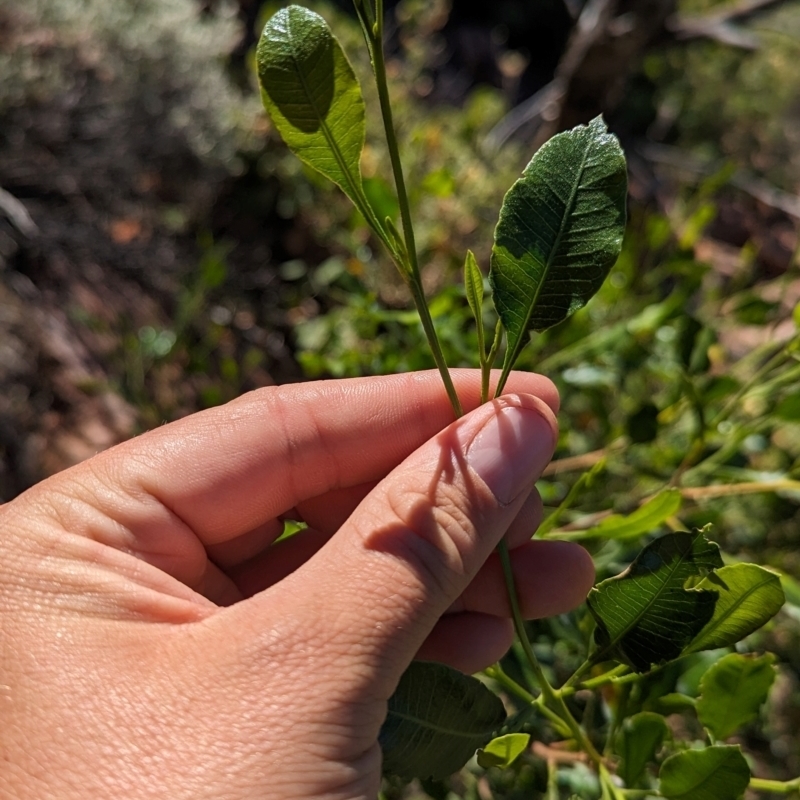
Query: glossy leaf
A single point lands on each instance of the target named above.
(473, 287)
(637, 743)
(437, 719)
(644, 520)
(559, 233)
(504, 750)
(645, 616)
(313, 95)
(716, 773)
(749, 596)
(732, 691)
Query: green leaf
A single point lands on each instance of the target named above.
(645, 616)
(313, 96)
(716, 773)
(732, 691)
(637, 743)
(473, 287)
(504, 750)
(749, 596)
(437, 719)
(559, 233)
(644, 520)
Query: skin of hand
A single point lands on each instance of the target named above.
(157, 643)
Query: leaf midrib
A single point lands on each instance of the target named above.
(355, 189)
(734, 607)
(512, 355)
(439, 728)
(612, 644)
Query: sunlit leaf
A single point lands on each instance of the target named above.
(732, 691)
(437, 719)
(645, 616)
(313, 95)
(749, 596)
(716, 773)
(559, 233)
(504, 750)
(630, 526)
(637, 743)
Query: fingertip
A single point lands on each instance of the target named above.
(575, 573)
(468, 642)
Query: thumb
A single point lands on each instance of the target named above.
(416, 541)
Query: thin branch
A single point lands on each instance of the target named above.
(720, 26)
(17, 214)
(757, 188)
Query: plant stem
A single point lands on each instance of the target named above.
(487, 362)
(375, 39)
(549, 694)
(498, 674)
(776, 787)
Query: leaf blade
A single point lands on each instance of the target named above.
(732, 692)
(312, 95)
(637, 742)
(645, 519)
(437, 719)
(749, 596)
(473, 288)
(503, 751)
(716, 773)
(574, 190)
(645, 616)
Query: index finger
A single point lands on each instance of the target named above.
(229, 469)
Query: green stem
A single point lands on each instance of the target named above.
(578, 674)
(498, 674)
(776, 787)
(549, 694)
(487, 362)
(375, 38)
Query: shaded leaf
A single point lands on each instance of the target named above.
(637, 743)
(732, 691)
(437, 719)
(559, 233)
(504, 750)
(716, 773)
(645, 616)
(749, 596)
(313, 95)
(644, 520)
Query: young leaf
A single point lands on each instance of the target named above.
(313, 97)
(437, 719)
(637, 742)
(559, 233)
(732, 691)
(645, 616)
(716, 773)
(504, 750)
(473, 286)
(749, 596)
(645, 519)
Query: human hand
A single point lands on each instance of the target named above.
(157, 644)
